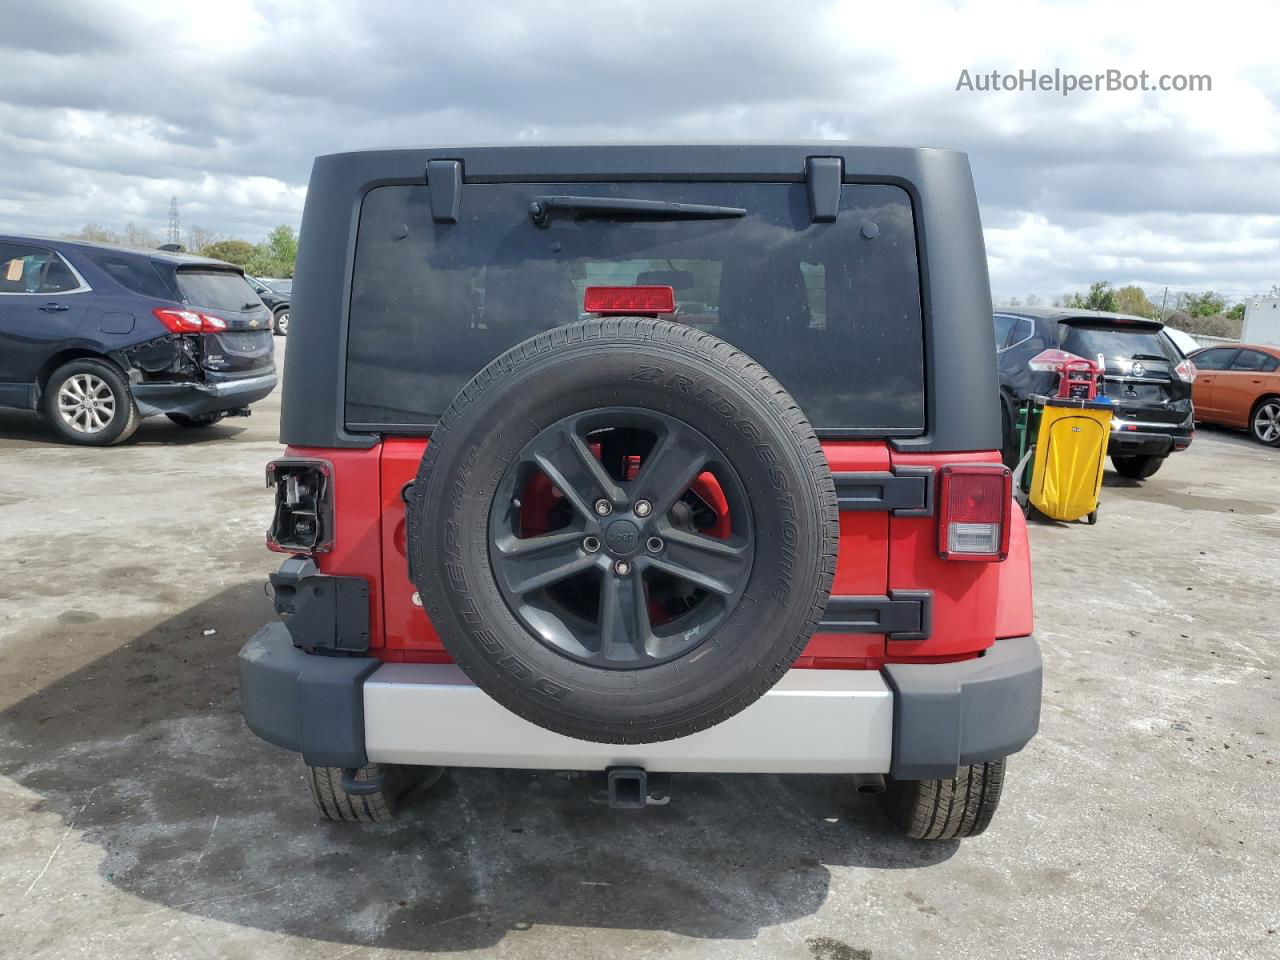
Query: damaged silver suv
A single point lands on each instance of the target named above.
(96, 337)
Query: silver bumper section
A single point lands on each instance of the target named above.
(813, 721)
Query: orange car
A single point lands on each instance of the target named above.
(1239, 386)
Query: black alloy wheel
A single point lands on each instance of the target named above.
(626, 579)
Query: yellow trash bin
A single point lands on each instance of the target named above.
(1071, 448)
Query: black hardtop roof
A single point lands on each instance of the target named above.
(689, 161)
(160, 256)
(955, 292)
(1069, 314)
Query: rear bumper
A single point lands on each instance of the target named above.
(913, 721)
(1129, 438)
(195, 399)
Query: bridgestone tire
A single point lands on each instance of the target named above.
(678, 372)
(1139, 466)
(335, 803)
(946, 809)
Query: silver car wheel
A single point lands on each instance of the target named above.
(282, 323)
(1266, 422)
(86, 403)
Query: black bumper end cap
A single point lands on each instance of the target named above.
(948, 715)
(310, 704)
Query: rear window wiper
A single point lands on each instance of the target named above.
(1148, 356)
(628, 208)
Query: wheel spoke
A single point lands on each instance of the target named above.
(624, 619)
(1266, 424)
(536, 563)
(569, 464)
(666, 473)
(716, 566)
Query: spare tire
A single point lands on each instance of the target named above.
(624, 530)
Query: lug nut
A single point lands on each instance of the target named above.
(654, 544)
(643, 508)
(591, 544)
(604, 507)
(622, 567)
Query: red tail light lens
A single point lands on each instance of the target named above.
(608, 301)
(188, 321)
(976, 503)
(1186, 371)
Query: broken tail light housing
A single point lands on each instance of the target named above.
(629, 301)
(188, 321)
(1186, 371)
(303, 521)
(976, 503)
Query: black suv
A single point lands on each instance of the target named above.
(276, 300)
(1145, 375)
(96, 337)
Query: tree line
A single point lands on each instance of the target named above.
(1208, 313)
(275, 256)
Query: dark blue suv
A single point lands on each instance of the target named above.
(97, 337)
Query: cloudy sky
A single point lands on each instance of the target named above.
(109, 108)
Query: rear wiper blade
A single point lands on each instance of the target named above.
(628, 208)
(1148, 356)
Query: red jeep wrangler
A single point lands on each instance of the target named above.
(646, 459)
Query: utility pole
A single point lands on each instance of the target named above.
(174, 231)
(1163, 300)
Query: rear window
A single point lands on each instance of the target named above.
(1118, 342)
(217, 290)
(831, 309)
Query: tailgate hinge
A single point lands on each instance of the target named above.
(903, 615)
(904, 492)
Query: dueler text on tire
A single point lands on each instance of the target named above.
(624, 530)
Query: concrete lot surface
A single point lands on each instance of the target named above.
(143, 820)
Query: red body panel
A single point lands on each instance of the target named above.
(1014, 614)
(964, 594)
(973, 603)
(357, 534)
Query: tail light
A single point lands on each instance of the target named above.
(1048, 361)
(1186, 371)
(629, 301)
(188, 321)
(303, 521)
(976, 501)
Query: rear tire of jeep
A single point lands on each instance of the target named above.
(81, 394)
(378, 806)
(951, 809)
(609, 670)
(1138, 467)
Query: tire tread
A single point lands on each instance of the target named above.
(947, 809)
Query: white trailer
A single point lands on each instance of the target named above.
(1261, 321)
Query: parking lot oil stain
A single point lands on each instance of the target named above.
(78, 616)
(1155, 493)
(829, 948)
